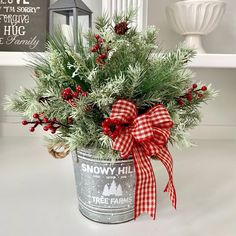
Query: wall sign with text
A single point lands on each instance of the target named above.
(23, 25)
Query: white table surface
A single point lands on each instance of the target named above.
(38, 196)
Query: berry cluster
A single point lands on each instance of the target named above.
(47, 124)
(193, 92)
(69, 95)
(100, 50)
(111, 127)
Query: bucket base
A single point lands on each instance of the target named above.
(106, 218)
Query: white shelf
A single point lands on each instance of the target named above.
(200, 61)
(214, 61)
(15, 58)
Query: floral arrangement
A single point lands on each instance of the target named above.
(118, 93)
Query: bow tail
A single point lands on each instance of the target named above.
(145, 190)
(166, 158)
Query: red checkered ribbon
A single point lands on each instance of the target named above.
(142, 137)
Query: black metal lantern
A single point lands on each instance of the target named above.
(68, 12)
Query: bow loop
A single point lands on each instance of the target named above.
(160, 117)
(124, 143)
(124, 111)
(161, 136)
(142, 129)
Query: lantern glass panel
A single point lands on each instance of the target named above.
(66, 17)
(83, 22)
(70, 17)
(60, 18)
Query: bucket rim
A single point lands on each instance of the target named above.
(86, 154)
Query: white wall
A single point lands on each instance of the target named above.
(120, 6)
(11, 78)
(95, 6)
(219, 116)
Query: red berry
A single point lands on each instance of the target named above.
(54, 119)
(95, 48)
(97, 36)
(107, 121)
(78, 89)
(105, 133)
(104, 124)
(200, 95)
(45, 120)
(99, 61)
(24, 122)
(103, 56)
(112, 136)
(67, 91)
(106, 130)
(99, 57)
(194, 86)
(36, 115)
(45, 128)
(75, 94)
(180, 102)
(204, 88)
(189, 97)
(53, 130)
(49, 126)
(84, 94)
(101, 40)
(32, 129)
(115, 121)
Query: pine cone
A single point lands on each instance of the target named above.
(121, 28)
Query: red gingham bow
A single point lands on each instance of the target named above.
(142, 137)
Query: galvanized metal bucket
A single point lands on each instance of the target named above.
(105, 188)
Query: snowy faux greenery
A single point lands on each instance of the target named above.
(75, 90)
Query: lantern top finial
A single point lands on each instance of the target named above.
(70, 4)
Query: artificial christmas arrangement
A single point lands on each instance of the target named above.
(115, 103)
